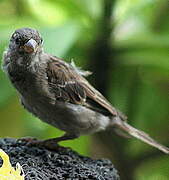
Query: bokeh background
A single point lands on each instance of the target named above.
(126, 45)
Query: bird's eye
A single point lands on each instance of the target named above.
(41, 41)
(17, 40)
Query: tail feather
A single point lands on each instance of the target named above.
(139, 135)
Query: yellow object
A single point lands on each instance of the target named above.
(7, 172)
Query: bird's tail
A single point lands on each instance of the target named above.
(124, 126)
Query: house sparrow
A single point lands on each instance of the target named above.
(57, 92)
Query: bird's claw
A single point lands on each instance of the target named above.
(48, 144)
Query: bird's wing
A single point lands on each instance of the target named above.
(70, 86)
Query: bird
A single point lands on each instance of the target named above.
(58, 93)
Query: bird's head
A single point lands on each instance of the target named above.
(26, 41)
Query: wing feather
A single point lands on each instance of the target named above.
(72, 87)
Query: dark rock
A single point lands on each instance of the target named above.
(42, 164)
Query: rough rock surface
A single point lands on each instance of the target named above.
(41, 164)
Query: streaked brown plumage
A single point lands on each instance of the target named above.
(74, 88)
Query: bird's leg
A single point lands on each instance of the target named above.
(53, 143)
(50, 143)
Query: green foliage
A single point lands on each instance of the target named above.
(139, 67)
(156, 169)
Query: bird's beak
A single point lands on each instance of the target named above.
(31, 46)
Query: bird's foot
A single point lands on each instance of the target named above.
(51, 144)
(27, 140)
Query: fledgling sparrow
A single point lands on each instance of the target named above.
(57, 92)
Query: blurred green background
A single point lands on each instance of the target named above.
(126, 45)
